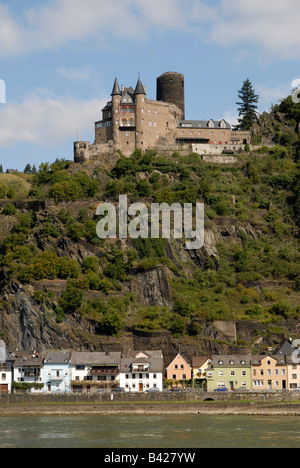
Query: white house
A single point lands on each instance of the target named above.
(28, 371)
(6, 369)
(142, 370)
(92, 371)
(57, 372)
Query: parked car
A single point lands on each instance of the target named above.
(153, 390)
(175, 389)
(118, 390)
(221, 389)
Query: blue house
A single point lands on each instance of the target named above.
(57, 372)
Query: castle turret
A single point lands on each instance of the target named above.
(116, 89)
(115, 108)
(139, 95)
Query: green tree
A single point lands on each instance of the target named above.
(247, 106)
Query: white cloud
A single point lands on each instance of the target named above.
(42, 119)
(271, 95)
(83, 74)
(272, 26)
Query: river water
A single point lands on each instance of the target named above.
(145, 431)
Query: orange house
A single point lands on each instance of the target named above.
(269, 373)
(179, 369)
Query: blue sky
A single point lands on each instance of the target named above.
(59, 59)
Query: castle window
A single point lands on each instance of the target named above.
(131, 122)
(149, 111)
(155, 112)
(150, 124)
(154, 124)
(124, 110)
(124, 123)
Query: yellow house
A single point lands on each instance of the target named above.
(179, 369)
(269, 372)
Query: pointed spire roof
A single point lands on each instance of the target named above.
(139, 87)
(116, 89)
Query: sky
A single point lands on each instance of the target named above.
(59, 59)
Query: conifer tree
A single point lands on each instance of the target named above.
(27, 169)
(247, 106)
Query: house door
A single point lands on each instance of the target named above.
(269, 384)
(4, 389)
(284, 385)
(141, 387)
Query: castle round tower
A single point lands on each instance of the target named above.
(170, 88)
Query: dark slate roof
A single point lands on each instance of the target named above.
(96, 358)
(203, 124)
(236, 360)
(58, 357)
(139, 87)
(287, 348)
(116, 89)
(127, 97)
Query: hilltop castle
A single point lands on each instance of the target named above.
(130, 121)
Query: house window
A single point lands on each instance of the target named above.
(174, 377)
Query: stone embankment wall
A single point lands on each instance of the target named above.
(148, 397)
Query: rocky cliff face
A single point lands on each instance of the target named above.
(25, 324)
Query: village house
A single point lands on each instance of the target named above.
(57, 372)
(91, 371)
(28, 372)
(231, 372)
(6, 370)
(269, 372)
(141, 371)
(200, 366)
(179, 370)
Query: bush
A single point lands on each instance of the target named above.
(71, 299)
(111, 324)
(282, 308)
(9, 209)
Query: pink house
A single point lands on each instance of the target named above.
(179, 369)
